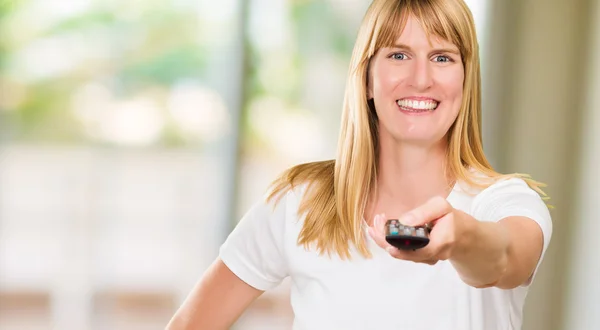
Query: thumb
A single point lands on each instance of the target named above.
(431, 211)
(412, 219)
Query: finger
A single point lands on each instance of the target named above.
(377, 232)
(430, 262)
(415, 255)
(432, 210)
(379, 239)
(379, 223)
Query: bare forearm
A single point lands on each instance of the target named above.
(218, 299)
(482, 257)
(503, 253)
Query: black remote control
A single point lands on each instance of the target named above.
(406, 237)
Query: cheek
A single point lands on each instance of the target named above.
(453, 86)
(456, 83)
(385, 80)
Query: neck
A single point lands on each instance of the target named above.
(407, 176)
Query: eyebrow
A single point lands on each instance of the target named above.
(437, 50)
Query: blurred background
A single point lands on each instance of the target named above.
(134, 134)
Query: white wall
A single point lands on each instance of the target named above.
(582, 306)
(534, 104)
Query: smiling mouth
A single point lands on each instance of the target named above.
(417, 105)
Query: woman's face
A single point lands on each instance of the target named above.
(416, 86)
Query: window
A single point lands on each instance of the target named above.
(120, 174)
(122, 121)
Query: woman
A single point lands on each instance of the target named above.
(410, 148)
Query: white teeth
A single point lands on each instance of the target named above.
(418, 105)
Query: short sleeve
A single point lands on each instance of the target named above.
(253, 251)
(513, 197)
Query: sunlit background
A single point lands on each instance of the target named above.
(134, 134)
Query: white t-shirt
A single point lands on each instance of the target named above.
(380, 292)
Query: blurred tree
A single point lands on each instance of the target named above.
(130, 49)
(281, 72)
(141, 48)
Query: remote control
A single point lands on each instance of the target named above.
(406, 237)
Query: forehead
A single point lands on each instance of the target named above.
(436, 24)
(414, 35)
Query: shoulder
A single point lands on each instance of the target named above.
(484, 186)
(507, 186)
(285, 196)
(494, 196)
(510, 197)
(268, 220)
(301, 183)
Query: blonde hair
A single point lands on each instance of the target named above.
(337, 190)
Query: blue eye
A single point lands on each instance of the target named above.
(443, 59)
(398, 56)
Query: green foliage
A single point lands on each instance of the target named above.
(152, 49)
(166, 67)
(153, 45)
(42, 115)
(84, 21)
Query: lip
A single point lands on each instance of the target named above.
(418, 98)
(415, 113)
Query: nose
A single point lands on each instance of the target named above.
(421, 75)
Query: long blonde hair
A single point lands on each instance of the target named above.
(337, 190)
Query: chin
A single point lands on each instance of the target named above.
(412, 131)
(414, 138)
(418, 142)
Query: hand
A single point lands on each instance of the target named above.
(449, 229)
